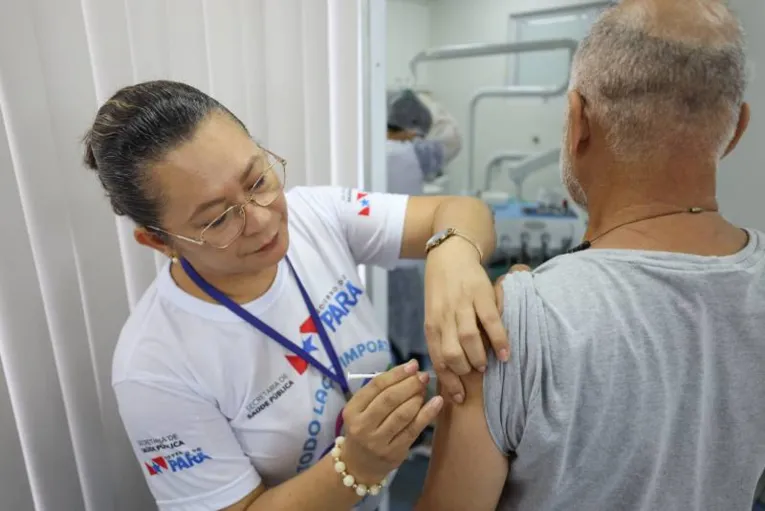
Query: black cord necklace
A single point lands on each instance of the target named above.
(588, 243)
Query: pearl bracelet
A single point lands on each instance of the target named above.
(348, 480)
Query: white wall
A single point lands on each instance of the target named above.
(741, 177)
(408, 32)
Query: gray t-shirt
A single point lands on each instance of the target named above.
(637, 382)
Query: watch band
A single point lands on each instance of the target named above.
(441, 237)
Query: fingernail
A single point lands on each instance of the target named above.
(424, 377)
(481, 369)
(504, 355)
(411, 367)
(458, 398)
(436, 402)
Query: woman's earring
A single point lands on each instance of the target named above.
(174, 259)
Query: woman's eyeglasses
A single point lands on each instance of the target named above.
(226, 228)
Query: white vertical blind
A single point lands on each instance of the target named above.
(345, 82)
(70, 271)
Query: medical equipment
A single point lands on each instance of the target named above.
(532, 233)
(515, 91)
(525, 166)
(496, 162)
(463, 51)
(529, 232)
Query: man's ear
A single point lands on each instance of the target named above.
(150, 239)
(743, 123)
(578, 122)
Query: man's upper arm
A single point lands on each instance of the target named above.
(245, 503)
(474, 440)
(467, 470)
(512, 389)
(185, 447)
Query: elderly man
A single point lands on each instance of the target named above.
(638, 363)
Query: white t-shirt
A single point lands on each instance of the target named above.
(212, 406)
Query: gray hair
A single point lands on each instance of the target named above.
(657, 80)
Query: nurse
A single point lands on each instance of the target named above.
(230, 373)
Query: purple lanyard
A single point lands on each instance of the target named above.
(336, 376)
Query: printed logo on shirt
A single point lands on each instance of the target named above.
(336, 305)
(164, 443)
(176, 462)
(334, 308)
(358, 198)
(270, 395)
(308, 334)
(297, 363)
(363, 203)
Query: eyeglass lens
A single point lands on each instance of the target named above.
(222, 231)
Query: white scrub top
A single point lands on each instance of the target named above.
(212, 406)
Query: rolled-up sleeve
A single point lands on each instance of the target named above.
(511, 388)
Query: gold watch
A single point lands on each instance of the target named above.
(440, 237)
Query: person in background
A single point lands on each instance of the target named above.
(231, 372)
(416, 154)
(420, 127)
(638, 368)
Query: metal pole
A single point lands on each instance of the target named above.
(461, 51)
